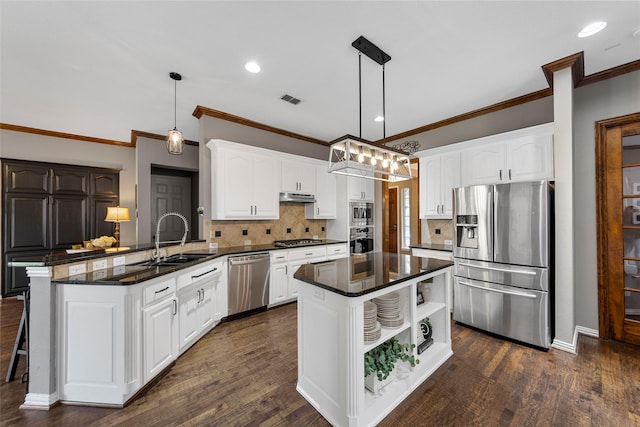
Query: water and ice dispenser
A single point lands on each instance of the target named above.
(467, 231)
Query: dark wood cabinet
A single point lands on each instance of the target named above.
(49, 207)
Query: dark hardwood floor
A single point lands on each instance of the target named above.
(244, 373)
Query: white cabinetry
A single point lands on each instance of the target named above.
(196, 298)
(331, 347)
(439, 174)
(325, 192)
(298, 177)
(99, 343)
(523, 155)
(360, 188)
(246, 182)
(159, 327)
(284, 264)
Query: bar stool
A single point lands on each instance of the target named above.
(21, 346)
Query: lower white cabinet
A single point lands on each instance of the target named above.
(285, 263)
(196, 302)
(159, 331)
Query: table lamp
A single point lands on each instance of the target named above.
(117, 215)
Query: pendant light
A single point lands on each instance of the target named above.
(175, 140)
(354, 156)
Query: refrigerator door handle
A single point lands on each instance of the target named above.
(503, 270)
(500, 291)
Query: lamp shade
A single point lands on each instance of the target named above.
(117, 214)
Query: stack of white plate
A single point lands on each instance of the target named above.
(372, 328)
(389, 310)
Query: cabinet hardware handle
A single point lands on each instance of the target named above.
(309, 254)
(509, 174)
(162, 290)
(500, 291)
(256, 209)
(202, 274)
(500, 174)
(286, 270)
(318, 211)
(175, 307)
(502, 270)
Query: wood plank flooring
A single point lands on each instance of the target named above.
(243, 373)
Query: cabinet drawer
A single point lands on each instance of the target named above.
(208, 271)
(279, 256)
(308, 252)
(158, 291)
(337, 250)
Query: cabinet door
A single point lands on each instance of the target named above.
(100, 227)
(307, 178)
(69, 217)
(325, 206)
(530, 158)
(265, 183)
(15, 280)
(105, 184)
(368, 189)
(450, 179)
(292, 285)
(220, 301)
(188, 320)
(19, 177)
(278, 284)
(159, 348)
(236, 184)
(360, 188)
(289, 176)
(26, 222)
(207, 306)
(430, 186)
(70, 181)
(484, 165)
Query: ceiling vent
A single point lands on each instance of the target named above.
(290, 99)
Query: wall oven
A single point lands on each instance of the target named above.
(361, 240)
(361, 214)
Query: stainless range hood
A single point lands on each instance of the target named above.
(297, 198)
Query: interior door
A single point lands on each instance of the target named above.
(618, 200)
(170, 194)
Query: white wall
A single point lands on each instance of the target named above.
(39, 148)
(604, 100)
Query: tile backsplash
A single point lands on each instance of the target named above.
(291, 225)
(437, 230)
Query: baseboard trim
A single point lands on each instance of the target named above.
(40, 401)
(587, 331)
(565, 346)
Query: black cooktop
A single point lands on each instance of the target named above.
(297, 242)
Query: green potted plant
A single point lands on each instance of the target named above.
(379, 362)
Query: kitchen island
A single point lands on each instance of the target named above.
(331, 336)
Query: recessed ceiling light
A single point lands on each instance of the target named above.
(379, 119)
(591, 29)
(252, 67)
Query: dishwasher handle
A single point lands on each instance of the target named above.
(251, 259)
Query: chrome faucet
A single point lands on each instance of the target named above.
(156, 253)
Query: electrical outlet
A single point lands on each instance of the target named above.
(315, 236)
(101, 274)
(448, 242)
(99, 265)
(121, 269)
(119, 260)
(77, 269)
(318, 293)
(247, 242)
(213, 246)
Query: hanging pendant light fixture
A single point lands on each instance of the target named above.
(175, 140)
(350, 155)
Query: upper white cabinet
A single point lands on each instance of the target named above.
(325, 191)
(439, 174)
(246, 182)
(523, 155)
(298, 177)
(360, 188)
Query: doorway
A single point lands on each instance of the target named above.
(400, 214)
(618, 222)
(173, 190)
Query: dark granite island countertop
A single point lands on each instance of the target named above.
(362, 274)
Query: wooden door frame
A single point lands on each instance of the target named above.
(604, 196)
(415, 238)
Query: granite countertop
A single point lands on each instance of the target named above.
(362, 274)
(434, 247)
(133, 274)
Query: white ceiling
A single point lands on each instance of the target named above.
(101, 68)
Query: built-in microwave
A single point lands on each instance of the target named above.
(361, 240)
(361, 214)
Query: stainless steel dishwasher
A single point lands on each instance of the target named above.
(248, 282)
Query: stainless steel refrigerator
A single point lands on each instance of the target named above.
(503, 242)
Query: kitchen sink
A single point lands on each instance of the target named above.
(173, 260)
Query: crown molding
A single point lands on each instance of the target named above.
(575, 62)
(204, 111)
(135, 134)
(64, 135)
